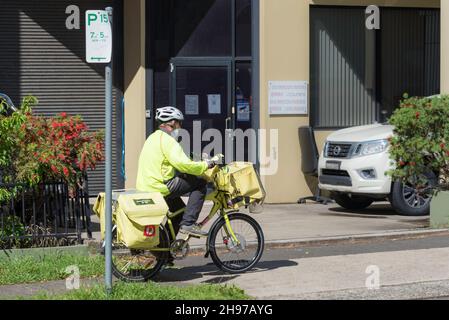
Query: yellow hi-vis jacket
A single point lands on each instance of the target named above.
(161, 156)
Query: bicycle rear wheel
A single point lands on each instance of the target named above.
(132, 265)
(234, 257)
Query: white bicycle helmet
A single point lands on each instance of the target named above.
(166, 114)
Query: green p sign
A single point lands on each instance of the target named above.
(91, 17)
(98, 37)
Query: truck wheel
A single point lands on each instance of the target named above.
(352, 202)
(410, 199)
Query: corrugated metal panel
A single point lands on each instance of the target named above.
(433, 53)
(40, 56)
(340, 96)
(410, 54)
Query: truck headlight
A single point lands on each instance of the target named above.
(371, 147)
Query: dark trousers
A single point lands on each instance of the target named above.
(196, 189)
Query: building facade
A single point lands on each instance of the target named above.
(194, 53)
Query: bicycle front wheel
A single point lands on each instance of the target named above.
(236, 256)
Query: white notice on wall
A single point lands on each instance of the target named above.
(214, 103)
(287, 97)
(191, 104)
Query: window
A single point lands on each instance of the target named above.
(357, 73)
(202, 28)
(243, 28)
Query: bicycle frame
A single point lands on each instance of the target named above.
(218, 199)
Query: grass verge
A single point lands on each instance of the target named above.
(151, 291)
(51, 266)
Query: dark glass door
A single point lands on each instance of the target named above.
(201, 89)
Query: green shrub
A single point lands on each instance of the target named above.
(421, 138)
(11, 134)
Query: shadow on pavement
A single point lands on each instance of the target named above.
(208, 270)
(375, 211)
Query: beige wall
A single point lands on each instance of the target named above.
(134, 46)
(386, 3)
(284, 54)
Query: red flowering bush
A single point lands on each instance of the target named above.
(56, 148)
(421, 140)
(35, 149)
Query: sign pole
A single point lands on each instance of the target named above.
(108, 182)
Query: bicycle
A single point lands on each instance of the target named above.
(235, 241)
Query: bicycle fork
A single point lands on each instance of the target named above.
(229, 232)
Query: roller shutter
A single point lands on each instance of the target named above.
(40, 56)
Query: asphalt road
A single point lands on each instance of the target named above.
(410, 269)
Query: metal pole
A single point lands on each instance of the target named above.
(108, 182)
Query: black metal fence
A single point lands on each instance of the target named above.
(52, 214)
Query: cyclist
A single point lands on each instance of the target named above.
(165, 168)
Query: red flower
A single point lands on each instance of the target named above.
(63, 114)
(402, 163)
(442, 146)
(66, 171)
(54, 169)
(417, 115)
(61, 156)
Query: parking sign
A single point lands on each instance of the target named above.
(98, 37)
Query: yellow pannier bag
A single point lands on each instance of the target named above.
(239, 179)
(137, 216)
(99, 210)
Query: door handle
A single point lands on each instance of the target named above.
(228, 119)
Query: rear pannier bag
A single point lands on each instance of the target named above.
(137, 216)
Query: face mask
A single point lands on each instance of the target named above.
(175, 133)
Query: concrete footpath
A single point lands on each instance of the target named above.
(311, 223)
(403, 274)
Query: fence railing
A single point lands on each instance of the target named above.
(49, 215)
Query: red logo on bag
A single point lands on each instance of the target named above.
(149, 231)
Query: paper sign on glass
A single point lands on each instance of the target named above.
(243, 111)
(191, 104)
(214, 103)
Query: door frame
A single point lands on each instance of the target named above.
(205, 62)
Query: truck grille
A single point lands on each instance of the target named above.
(330, 172)
(338, 150)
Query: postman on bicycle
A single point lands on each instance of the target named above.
(165, 168)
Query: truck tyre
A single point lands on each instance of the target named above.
(352, 202)
(408, 200)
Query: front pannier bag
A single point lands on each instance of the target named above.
(239, 179)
